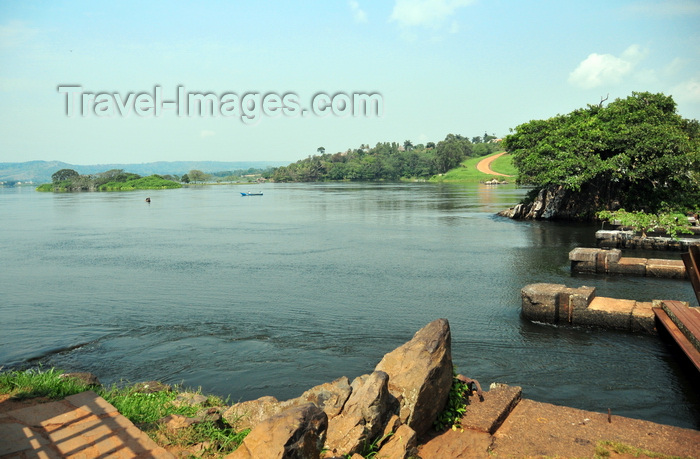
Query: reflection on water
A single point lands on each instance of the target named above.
(271, 295)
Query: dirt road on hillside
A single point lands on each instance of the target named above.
(485, 165)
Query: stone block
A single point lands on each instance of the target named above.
(89, 400)
(542, 293)
(15, 438)
(607, 313)
(51, 414)
(571, 299)
(643, 318)
(578, 298)
(488, 415)
(606, 258)
(458, 444)
(539, 301)
(612, 256)
(583, 254)
(673, 269)
(629, 266)
(583, 266)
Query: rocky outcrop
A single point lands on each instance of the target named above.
(247, 415)
(389, 408)
(555, 203)
(330, 397)
(420, 375)
(297, 432)
(364, 416)
(401, 444)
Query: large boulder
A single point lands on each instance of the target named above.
(330, 397)
(401, 445)
(247, 415)
(555, 202)
(420, 375)
(364, 417)
(296, 433)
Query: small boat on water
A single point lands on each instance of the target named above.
(251, 194)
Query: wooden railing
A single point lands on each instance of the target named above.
(692, 263)
(682, 321)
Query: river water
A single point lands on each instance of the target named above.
(271, 295)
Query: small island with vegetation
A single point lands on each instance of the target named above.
(112, 180)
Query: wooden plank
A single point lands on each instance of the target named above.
(691, 260)
(678, 336)
(686, 319)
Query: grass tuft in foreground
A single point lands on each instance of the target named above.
(209, 438)
(22, 385)
(451, 416)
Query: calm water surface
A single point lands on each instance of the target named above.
(272, 295)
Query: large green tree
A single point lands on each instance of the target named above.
(63, 175)
(195, 175)
(635, 153)
(451, 151)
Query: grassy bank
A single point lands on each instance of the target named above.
(152, 182)
(467, 172)
(141, 406)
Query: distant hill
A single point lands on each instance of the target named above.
(41, 171)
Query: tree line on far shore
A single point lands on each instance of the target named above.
(111, 180)
(387, 160)
(119, 180)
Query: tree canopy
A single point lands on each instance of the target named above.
(111, 180)
(384, 161)
(635, 153)
(63, 175)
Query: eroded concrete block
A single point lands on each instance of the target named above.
(643, 318)
(539, 301)
(673, 269)
(489, 414)
(578, 298)
(629, 266)
(584, 254)
(592, 260)
(607, 312)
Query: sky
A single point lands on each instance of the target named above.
(88, 82)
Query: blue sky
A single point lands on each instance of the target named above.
(441, 66)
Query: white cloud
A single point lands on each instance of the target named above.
(605, 69)
(426, 13)
(357, 12)
(676, 66)
(687, 91)
(206, 133)
(15, 33)
(666, 7)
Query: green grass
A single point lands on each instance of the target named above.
(22, 385)
(152, 182)
(456, 406)
(143, 409)
(504, 165)
(45, 187)
(467, 173)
